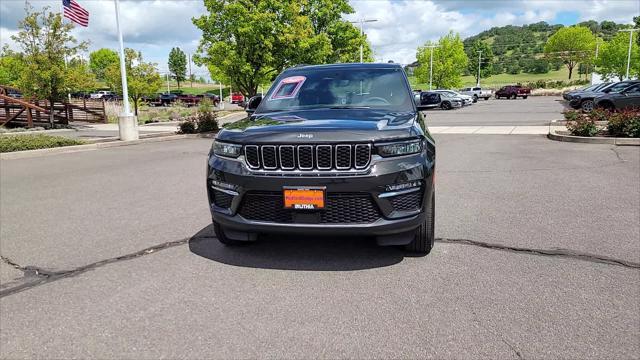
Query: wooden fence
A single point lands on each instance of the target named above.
(27, 112)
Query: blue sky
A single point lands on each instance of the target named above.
(155, 26)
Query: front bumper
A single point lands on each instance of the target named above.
(241, 185)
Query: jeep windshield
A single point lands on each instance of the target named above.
(339, 88)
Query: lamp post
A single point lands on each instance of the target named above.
(630, 45)
(127, 122)
(361, 22)
(431, 64)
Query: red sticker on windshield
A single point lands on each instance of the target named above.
(288, 88)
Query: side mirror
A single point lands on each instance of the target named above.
(253, 103)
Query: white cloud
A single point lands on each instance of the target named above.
(404, 25)
(155, 26)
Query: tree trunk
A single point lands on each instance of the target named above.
(135, 106)
(570, 71)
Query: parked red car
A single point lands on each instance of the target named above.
(513, 91)
(237, 98)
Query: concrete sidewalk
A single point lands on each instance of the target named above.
(494, 130)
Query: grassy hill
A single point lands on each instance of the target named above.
(519, 49)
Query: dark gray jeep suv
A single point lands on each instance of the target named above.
(329, 150)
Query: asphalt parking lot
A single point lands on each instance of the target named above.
(533, 111)
(110, 254)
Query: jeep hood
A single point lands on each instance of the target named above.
(322, 125)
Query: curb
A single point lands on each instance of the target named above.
(95, 146)
(594, 140)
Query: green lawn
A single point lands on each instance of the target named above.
(506, 79)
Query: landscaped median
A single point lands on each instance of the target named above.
(600, 127)
(11, 143)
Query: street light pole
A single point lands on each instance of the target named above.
(431, 65)
(127, 122)
(479, 60)
(361, 22)
(630, 45)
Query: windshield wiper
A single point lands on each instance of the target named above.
(350, 107)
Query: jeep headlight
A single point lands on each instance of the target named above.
(226, 149)
(400, 148)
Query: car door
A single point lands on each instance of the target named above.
(630, 98)
(428, 100)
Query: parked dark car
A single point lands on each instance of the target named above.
(513, 92)
(427, 100)
(331, 150)
(595, 87)
(81, 95)
(586, 100)
(168, 99)
(626, 99)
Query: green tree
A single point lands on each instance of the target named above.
(485, 61)
(178, 65)
(142, 77)
(247, 43)
(100, 60)
(11, 66)
(449, 62)
(636, 21)
(571, 45)
(345, 37)
(46, 42)
(612, 57)
(79, 76)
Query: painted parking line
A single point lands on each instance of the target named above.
(490, 130)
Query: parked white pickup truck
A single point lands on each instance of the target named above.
(477, 93)
(100, 94)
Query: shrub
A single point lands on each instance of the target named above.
(207, 121)
(582, 126)
(187, 127)
(571, 115)
(10, 143)
(600, 114)
(624, 123)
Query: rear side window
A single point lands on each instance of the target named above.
(476, 89)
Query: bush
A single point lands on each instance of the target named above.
(187, 127)
(572, 115)
(10, 143)
(207, 121)
(624, 123)
(582, 126)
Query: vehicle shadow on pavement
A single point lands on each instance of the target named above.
(297, 253)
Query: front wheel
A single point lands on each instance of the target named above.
(524, 97)
(425, 237)
(587, 106)
(446, 105)
(475, 98)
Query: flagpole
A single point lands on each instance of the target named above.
(127, 122)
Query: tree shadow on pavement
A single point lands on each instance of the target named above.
(297, 252)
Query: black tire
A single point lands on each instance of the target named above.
(217, 228)
(487, 98)
(475, 98)
(425, 236)
(515, 96)
(446, 105)
(524, 97)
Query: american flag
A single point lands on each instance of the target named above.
(75, 12)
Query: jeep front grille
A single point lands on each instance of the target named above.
(324, 157)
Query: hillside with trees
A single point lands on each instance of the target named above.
(520, 49)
